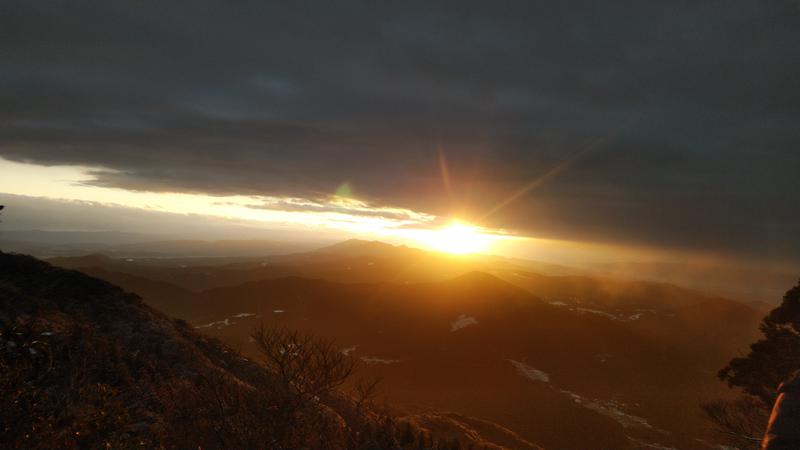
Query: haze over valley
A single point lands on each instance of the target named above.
(417, 225)
(540, 349)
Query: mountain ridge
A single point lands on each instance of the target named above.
(145, 379)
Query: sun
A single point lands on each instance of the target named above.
(459, 238)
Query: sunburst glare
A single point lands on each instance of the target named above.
(457, 238)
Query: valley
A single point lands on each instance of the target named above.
(547, 356)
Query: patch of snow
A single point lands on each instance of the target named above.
(373, 360)
(47, 333)
(130, 260)
(596, 311)
(643, 444)
(289, 349)
(612, 409)
(347, 350)
(557, 303)
(603, 357)
(227, 321)
(462, 321)
(641, 312)
(278, 311)
(529, 372)
(219, 324)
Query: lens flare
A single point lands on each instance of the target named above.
(457, 238)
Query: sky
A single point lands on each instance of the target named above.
(668, 126)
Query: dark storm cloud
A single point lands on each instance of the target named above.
(688, 109)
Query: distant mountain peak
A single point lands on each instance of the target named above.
(363, 247)
(478, 276)
(485, 282)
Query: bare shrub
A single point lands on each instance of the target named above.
(308, 366)
(741, 422)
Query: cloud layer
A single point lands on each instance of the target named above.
(683, 114)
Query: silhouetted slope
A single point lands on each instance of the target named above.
(87, 365)
(169, 299)
(85, 350)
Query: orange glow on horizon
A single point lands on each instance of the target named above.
(341, 213)
(457, 238)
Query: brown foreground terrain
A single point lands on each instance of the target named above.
(545, 356)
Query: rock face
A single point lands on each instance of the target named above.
(783, 430)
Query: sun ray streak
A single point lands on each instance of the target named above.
(445, 173)
(555, 171)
